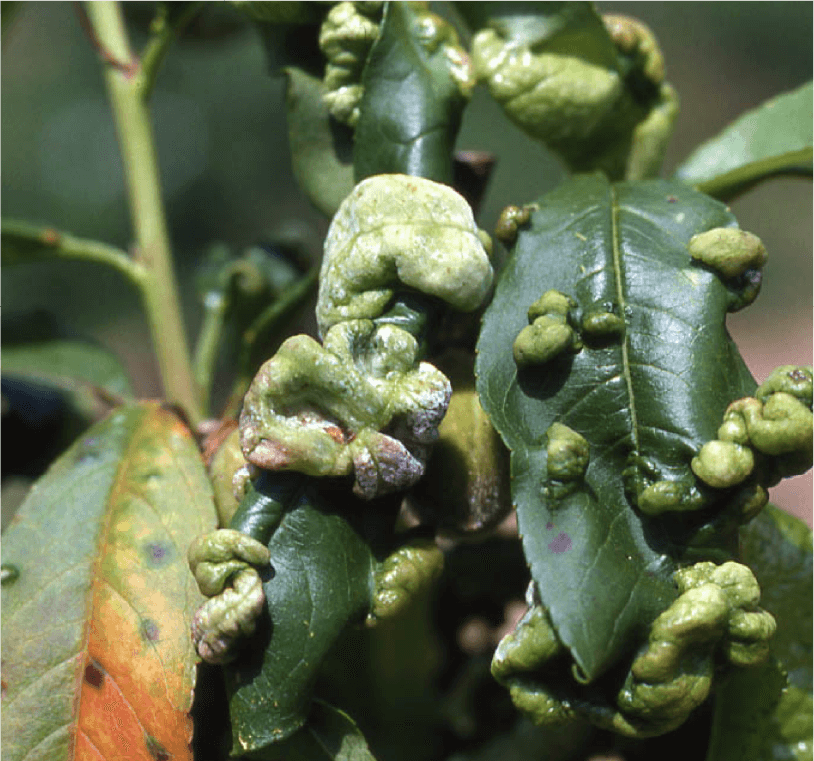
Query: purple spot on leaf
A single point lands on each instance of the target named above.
(149, 630)
(549, 526)
(158, 553)
(561, 543)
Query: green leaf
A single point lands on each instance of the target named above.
(83, 370)
(402, 78)
(98, 596)
(645, 397)
(329, 735)
(321, 147)
(773, 139)
(766, 712)
(323, 579)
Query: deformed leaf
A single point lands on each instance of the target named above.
(97, 659)
(323, 576)
(766, 712)
(402, 77)
(321, 147)
(642, 382)
(773, 139)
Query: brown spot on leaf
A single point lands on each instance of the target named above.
(50, 237)
(94, 675)
(335, 432)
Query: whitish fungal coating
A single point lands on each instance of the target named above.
(360, 405)
(400, 232)
(549, 333)
(716, 612)
(728, 250)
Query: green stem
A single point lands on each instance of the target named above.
(162, 35)
(263, 325)
(23, 241)
(146, 206)
(216, 305)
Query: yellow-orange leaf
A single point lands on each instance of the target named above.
(97, 659)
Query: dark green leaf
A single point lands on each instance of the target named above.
(323, 576)
(775, 138)
(97, 658)
(658, 391)
(766, 712)
(321, 147)
(329, 735)
(411, 107)
(83, 370)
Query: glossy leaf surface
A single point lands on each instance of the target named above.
(83, 370)
(322, 579)
(658, 391)
(97, 658)
(321, 147)
(411, 107)
(766, 712)
(775, 138)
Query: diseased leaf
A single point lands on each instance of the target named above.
(321, 147)
(83, 370)
(323, 579)
(97, 659)
(775, 138)
(766, 712)
(648, 387)
(402, 78)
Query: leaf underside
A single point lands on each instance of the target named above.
(603, 569)
(766, 712)
(775, 138)
(97, 658)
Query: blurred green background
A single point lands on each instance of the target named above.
(222, 142)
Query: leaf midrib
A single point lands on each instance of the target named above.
(620, 295)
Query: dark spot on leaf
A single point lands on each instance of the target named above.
(149, 630)
(560, 543)
(94, 675)
(549, 526)
(158, 553)
(156, 749)
(672, 199)
(87, 451)
(9, 573)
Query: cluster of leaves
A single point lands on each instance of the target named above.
(98, 656)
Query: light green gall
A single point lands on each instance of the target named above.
(220, 623)
(510, 220)
(345, 38)
(528, 648)
(728, 250)
(549, 96)
(215, 557)
(723, 464)
(404, 575)
(541, 341)
(635, 39)
(551, 303)
(322, 410)
(567, 453)
(396, 232)
(668, 496)
(602, 324)
(783, 425)
(791, 379)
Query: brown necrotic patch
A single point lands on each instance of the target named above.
(94, 674)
